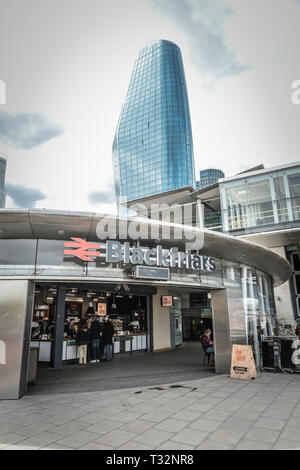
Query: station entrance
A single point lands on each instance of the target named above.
(61, 309)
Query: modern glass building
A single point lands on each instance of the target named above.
(2, 179)
(153, 146)
(208, 177)
(260, 205)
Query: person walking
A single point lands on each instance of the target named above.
(107, 338)
(82, 341)
(95, 331)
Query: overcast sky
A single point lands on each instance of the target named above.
(67, 65)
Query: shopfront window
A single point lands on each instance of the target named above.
(17, 257)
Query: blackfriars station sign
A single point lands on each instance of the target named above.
(116, 252)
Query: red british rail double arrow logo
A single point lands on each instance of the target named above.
(82, 249)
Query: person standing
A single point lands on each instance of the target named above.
(70, 328)
(95, 331)
(82, 341)
(107, 338)
(207, 343)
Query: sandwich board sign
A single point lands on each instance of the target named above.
(242, 362)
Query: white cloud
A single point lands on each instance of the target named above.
(26, 130)
(203, 22)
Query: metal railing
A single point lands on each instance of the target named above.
(253, 215)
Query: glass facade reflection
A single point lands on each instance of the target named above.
(208, 177)
(153, 147)
(255, 201)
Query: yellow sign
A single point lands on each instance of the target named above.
(242, 363)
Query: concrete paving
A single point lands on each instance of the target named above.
(214, 412)
(141, 369)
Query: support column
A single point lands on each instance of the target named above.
(58, 340)
(228, 325)
(16, 305)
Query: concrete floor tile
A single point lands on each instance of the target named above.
(286, 444)
(187, 415)
(104, 427)
(171, 425)
(134, 445)
(9, 439)
(41, 440)
(154, 437)
(127, 417)
(220, 415)
(277, 413)
(238, 424)
(157, 416)
(93, 418)
(204, 424)
(227, 435)
(138, 426)
(244, 413)
(70, 428)
(94, 446)
(33, 430)
(189, 436)
(115, 438)
(173, 445)
(8, 427)
(214, 445)
(246, 444)
(78, 439)
(294, 421)
(266, 435)
(291, 432)
(270, 423)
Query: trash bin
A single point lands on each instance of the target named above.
(32, 365)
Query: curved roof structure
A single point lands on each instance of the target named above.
(62, 225)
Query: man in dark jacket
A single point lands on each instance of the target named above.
(95, 331)
(107, 338)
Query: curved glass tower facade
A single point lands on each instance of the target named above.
(153, 147)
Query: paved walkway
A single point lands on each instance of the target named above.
(139, 370)
(215, 412)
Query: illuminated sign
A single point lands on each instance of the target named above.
(102, 309)
(167, 301)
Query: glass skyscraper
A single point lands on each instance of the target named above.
(153, 146)
(208, 177)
